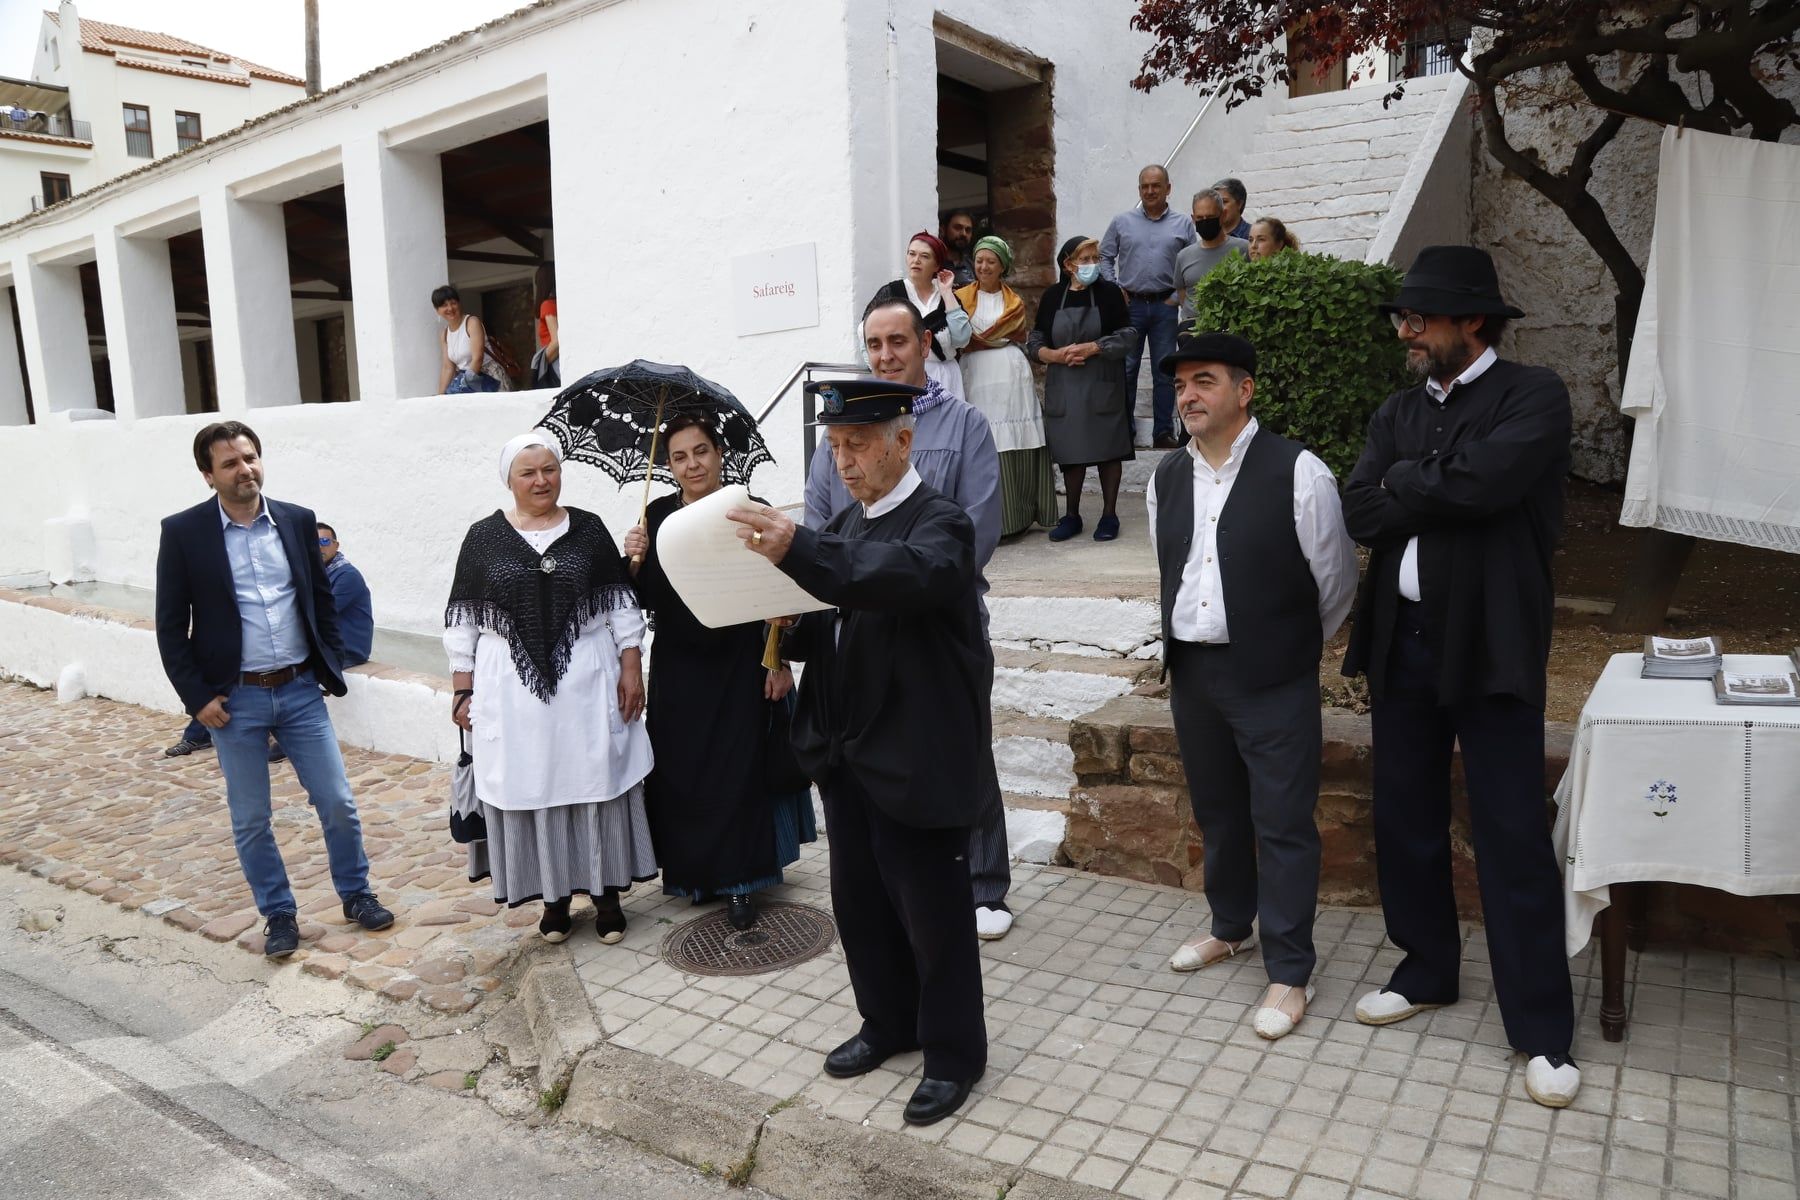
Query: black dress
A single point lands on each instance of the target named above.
(714, 824)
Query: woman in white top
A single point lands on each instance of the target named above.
(545, 638)
(928, 287)
(466, 365)
(997, 381)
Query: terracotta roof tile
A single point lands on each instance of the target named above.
(96, 36)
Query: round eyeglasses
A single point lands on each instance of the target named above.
(1407, 320)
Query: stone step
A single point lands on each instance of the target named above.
(1035, 827)
(1060, 686)
(1032, 755)
(1337, 229)
(1389, 125)
(1325, 105)
(1088, 626)
(1278, 199)
(1263, 177)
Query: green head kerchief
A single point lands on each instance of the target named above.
(1000, 250)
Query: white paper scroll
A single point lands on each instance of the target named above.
(722, 580)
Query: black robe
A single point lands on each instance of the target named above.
(900, 698)
(711, 818)
(1480, 482)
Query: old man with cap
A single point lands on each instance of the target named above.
(1257, 573)
(1459, 497)
(893, 724)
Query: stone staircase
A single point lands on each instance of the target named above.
(1331, 165)
(1074, 626)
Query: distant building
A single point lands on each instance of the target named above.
(105, 99)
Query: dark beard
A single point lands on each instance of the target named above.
(1431, 366)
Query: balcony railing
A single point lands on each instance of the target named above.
(47, 125)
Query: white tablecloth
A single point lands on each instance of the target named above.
(1666, 784)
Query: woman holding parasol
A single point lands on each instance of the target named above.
(721, 821)
(721, 824)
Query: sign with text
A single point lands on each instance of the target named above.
(776, 289)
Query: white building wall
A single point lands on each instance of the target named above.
(23, 163)
(800, 134)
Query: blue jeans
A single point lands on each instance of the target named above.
(295, 713)
(1156, 324)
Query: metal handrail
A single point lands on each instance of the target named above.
(808, 436)
(1193, 125)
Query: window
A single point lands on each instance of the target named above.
(56, 187)
(137, 131)
(187, 130)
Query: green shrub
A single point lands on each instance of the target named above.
(1325, 357)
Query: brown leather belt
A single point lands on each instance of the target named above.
(272, 679)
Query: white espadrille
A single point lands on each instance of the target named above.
(1191, 956)
(992, 924)
(1271, 1022)
(1384, 1008)
(1550, 1085)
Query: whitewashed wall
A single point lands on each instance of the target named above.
(798, 132)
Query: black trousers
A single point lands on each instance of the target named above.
(1502, 741)
(906, 914)
(1251, 756)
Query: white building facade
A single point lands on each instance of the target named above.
(105, 99)
(676, 140)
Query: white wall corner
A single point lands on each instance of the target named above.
(250, 293)
(394, 207)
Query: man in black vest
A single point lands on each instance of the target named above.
(1459, 497)
(894, 726)
(1257, 572)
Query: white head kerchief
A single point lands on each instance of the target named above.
(526, 440)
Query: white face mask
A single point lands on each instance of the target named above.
(1087, 272)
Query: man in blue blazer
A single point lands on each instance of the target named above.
(249, 635)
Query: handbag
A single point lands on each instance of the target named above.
(782, 774)
(466, 822)
(503, 358)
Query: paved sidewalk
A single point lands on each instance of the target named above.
(91, 803)
(1106, 1067)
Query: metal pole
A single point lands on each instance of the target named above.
(312, 47)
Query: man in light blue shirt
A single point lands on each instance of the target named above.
(1138, 253)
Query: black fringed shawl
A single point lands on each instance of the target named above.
(538, 603)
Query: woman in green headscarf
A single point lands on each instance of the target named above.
(997, 380)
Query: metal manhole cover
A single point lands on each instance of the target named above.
(784, 934)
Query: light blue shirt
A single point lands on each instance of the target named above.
(263, 580)
(1138, 253)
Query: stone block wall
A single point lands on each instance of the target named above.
(1129, 816)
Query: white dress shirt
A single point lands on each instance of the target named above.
(1199, 611)
(909, 483)
(1440, 396)
(264, 583)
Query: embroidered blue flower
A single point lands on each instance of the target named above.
(1660, 795)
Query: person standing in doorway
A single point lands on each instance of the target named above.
(1138, 253)
(1459, 497)
(248, 634)
(1257, 574)
(957, 231)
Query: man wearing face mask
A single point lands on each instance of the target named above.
(1214, 247)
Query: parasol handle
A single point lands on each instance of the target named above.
(771, 660)
(650, 466)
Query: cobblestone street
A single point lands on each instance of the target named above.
(1106, 1068)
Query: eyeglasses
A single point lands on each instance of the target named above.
(324, 541)
(1407, 320)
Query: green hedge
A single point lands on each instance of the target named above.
(1325, 356)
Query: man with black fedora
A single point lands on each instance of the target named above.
(1257, 574)
(1459, 498)
(894, 725)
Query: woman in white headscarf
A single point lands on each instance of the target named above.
(545, 639)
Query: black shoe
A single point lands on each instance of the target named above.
(556, 923)
(856, 1057)
(366, 910)
(183, 748)
(609, 919)
(1165, 441)
(281, 936)
(935, 1099)
(741, 911)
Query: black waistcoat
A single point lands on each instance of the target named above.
(1271, 598)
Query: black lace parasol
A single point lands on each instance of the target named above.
(613, 419)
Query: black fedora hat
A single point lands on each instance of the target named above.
(1227, 348)
(1452, 281)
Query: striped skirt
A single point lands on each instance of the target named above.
(1027, 493)
(554, 853)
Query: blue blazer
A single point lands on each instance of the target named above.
(198, 629)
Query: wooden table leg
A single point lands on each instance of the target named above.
(1612, 969)
(1636, 899)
